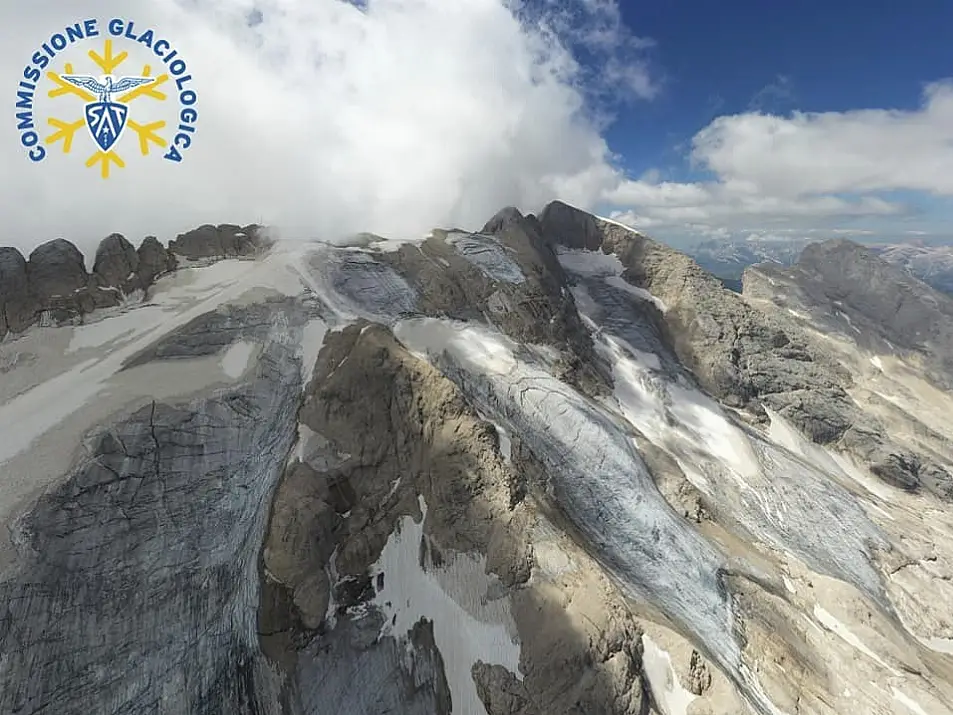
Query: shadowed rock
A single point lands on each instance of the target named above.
(570, 227)
(56, 269)
(154, 260)
(17, 307)
(116, 264)
(222, 241)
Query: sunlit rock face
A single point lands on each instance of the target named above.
(547, 467)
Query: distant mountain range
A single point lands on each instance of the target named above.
(933, 264)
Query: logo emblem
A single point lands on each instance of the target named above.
(106, 119)
(112, 100)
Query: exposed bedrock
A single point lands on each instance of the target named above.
(53, 286)
(849, 289)
(507, 275)
(222, 241)
(390, 441)
(748, 357)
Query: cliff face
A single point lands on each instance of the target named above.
(550, 467)
(54, 288)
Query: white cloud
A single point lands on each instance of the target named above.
(805, 169)
(836, 152)
(325, 119)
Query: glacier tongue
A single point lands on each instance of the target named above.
(595, 475)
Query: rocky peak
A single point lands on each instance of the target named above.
(116, 263)
(56, 268)
(862, 297)
(154, 260)
(16, 310)
(222, 241)
(54, 281)
(570, 226)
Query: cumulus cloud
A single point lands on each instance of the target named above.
(831, 152)
(325, 118)
(804, 168)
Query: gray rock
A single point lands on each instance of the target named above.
(56, 269)
(751, 358)
(116, 265)
(61, 286)
(154, 261)
(568, 226)
(508, 276)
(223, 241)
(849, 289)
(18, 308)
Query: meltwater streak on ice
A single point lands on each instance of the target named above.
(775, 494)
(599, 482)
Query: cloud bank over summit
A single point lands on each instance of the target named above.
(325, 118)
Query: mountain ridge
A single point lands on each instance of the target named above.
(550, 466)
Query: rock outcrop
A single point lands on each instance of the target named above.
(154, 260)
(747, 357)
(222, 241)
(117, 264)
(848, 289)
(54, 286)
(392, 440)
(17, 304)
(509, 274)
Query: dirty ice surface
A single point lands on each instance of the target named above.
(355, 284)
(180, 297)
(466, 630)
(487, 254)
(608, 267)
(777, 495)
(595, 476)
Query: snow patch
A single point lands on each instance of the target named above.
(506, 444)
(311, 341)
(622, 284)
(671, 697)
(464, 635)
(590, 263)
(183, 295)
(607, 266)
(831, 623)
(236, 358)
(908, 702)
(658, 409)
(109, 330)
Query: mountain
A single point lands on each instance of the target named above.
(549, 466)
(728, 258)
(931, 264)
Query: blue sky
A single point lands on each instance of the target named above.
(729, 58)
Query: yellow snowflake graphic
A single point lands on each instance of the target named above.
(108, 63)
